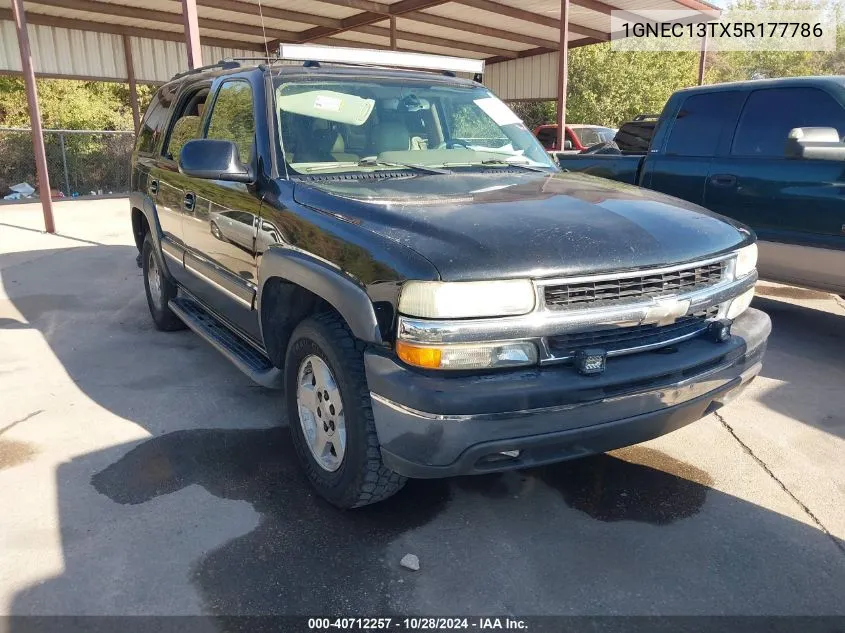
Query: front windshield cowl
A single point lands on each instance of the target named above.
(371, 124)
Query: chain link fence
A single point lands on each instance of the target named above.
(79, 162)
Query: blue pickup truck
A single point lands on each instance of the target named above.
(768, 153)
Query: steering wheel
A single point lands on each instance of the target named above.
(451, 143)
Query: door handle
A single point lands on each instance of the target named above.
(154, 187)
(723, 180)
(189, 201)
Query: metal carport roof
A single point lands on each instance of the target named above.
(79, 38)
(524, 42)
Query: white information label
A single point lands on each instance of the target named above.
(324, 102)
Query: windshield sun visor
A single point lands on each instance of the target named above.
(329, 105)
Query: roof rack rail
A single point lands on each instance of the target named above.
(263, 58)
(223, 64)
(645, 117)
(313, 54)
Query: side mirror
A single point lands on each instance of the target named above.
(567, 145)
(819, 143)
(213, 160)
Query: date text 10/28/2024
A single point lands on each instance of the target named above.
(418, 624)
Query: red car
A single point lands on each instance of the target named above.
(578, 136)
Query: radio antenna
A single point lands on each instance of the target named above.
(263, 31)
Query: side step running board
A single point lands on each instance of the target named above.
(245, 357)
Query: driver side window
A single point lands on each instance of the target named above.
(232, 118)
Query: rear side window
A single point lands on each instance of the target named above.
(588, 136)
(635, 136)
(155, 120)
(700, 121)
(770, 114)
(232, 118)
(186, 124)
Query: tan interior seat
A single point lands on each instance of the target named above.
(339, 151)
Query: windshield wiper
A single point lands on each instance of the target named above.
(509, 163)
(374, 162)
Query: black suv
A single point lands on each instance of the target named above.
(397, 253)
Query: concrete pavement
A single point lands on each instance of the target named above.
(141, 473)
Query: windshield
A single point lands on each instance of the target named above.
(372, 125)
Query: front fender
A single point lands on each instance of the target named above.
(142, 202)
(327, 282)
(146, 205)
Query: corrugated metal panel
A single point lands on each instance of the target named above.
(486, 18)
(92, 16)
(527, 78)
(57, 51)
(269, 23)
(440, 50)
(327, 8)
(354, 36)
(438, 31)
(378, 40)
(155, 5)
(158, 61)
(227, 35)
(88, 16)
(10, 57)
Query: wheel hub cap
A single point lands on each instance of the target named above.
(154, 280)
(321, 412)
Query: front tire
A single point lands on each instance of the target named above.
(335, 437)
(160, 290)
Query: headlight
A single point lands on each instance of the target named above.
(466, 299)
(740, 304)
(472, 356)
(746, 260)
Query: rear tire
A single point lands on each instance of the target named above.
(160, 290)
(351, 474)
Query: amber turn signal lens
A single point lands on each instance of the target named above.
(419, 356)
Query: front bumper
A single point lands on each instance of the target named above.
(432, 425)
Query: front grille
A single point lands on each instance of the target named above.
(625, 338)
(591, 293)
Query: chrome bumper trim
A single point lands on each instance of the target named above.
(542, 323)
(548, 357)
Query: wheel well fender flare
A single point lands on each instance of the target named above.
(141, 202)
(325, 281)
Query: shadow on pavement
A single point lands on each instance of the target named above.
(210, 514)
(807, 354)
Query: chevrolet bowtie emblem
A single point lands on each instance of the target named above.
(666, 311)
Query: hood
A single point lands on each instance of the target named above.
(507, 225)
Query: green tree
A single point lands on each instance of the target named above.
(93, 161)
(767, 64)
(535, 113)
(608, 87)
(70, 104)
